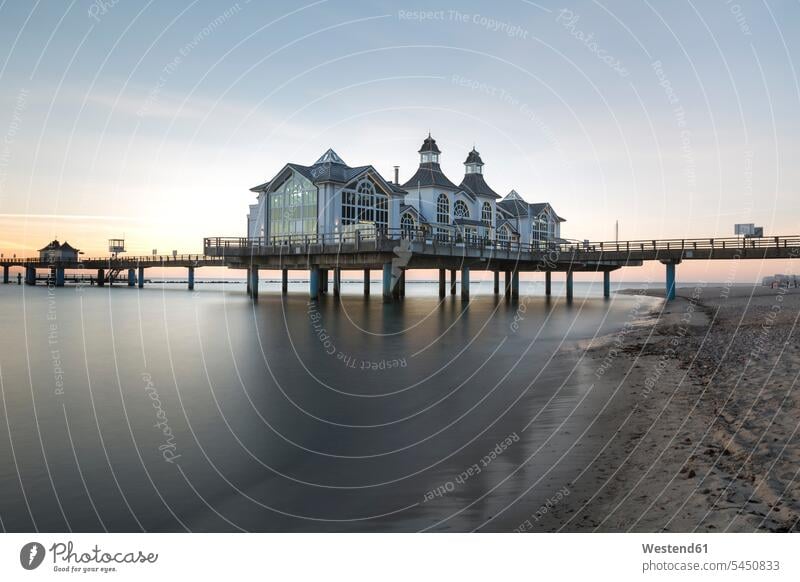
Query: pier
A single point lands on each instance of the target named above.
(395, 253)
(103, 270)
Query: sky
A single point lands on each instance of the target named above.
(151, 120)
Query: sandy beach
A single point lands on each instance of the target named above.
(709, 416)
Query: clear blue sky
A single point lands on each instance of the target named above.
(154, 119)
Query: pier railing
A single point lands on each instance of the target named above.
(725, 243)
(289, 244)
(127, 261)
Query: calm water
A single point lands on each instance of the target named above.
(165, 410)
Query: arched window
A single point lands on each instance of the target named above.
(460, 209)
(486, 214)
(502, 234)
(408, 225)
(293, 208)
(364, 205)
(443, 209)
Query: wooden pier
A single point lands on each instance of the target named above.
(395, 253)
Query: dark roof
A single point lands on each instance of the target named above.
(53, 246)
(514, 206)
(429, 145)
(537, 207)
(328, 168)
(476, 185)
(57, 246)
(474, 158)
(429, 174)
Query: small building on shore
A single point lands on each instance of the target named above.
(780, 280)
(58, 252)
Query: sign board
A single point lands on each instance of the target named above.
(744, 229)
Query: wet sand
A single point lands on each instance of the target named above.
(708, 437)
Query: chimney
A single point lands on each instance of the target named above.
(397, 175)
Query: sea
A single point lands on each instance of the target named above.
(164, 409)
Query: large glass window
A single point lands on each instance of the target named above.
(293, 208)
(486, 214)
(541, 230)
(460, 209)
(443, 209)
(364, 206)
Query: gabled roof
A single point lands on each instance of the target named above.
(429, 174)
(475, 184)
(513, 204)
(538, 207)
(53, 246)
(328, 168)
(503, 222)
(413, 210)
(57, 246)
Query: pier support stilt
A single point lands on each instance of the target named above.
(465, 283)
(140, 278)
(366, 282)
(387, 281)
(508, 284)
(569, 286)
(101, 277)
(324, 279)
(6, 274)
(254, 283)
(30, 276)
(670, 289)
(284, 281)
(402, 284)
(515, 285)
(442, 283)
(191, 279)
(314, 283)
(249, 281)
(452, 282)
(606, 284)
(131, 277)
(496, 282)
(337, 282)
(548, 283)
(60, 276)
